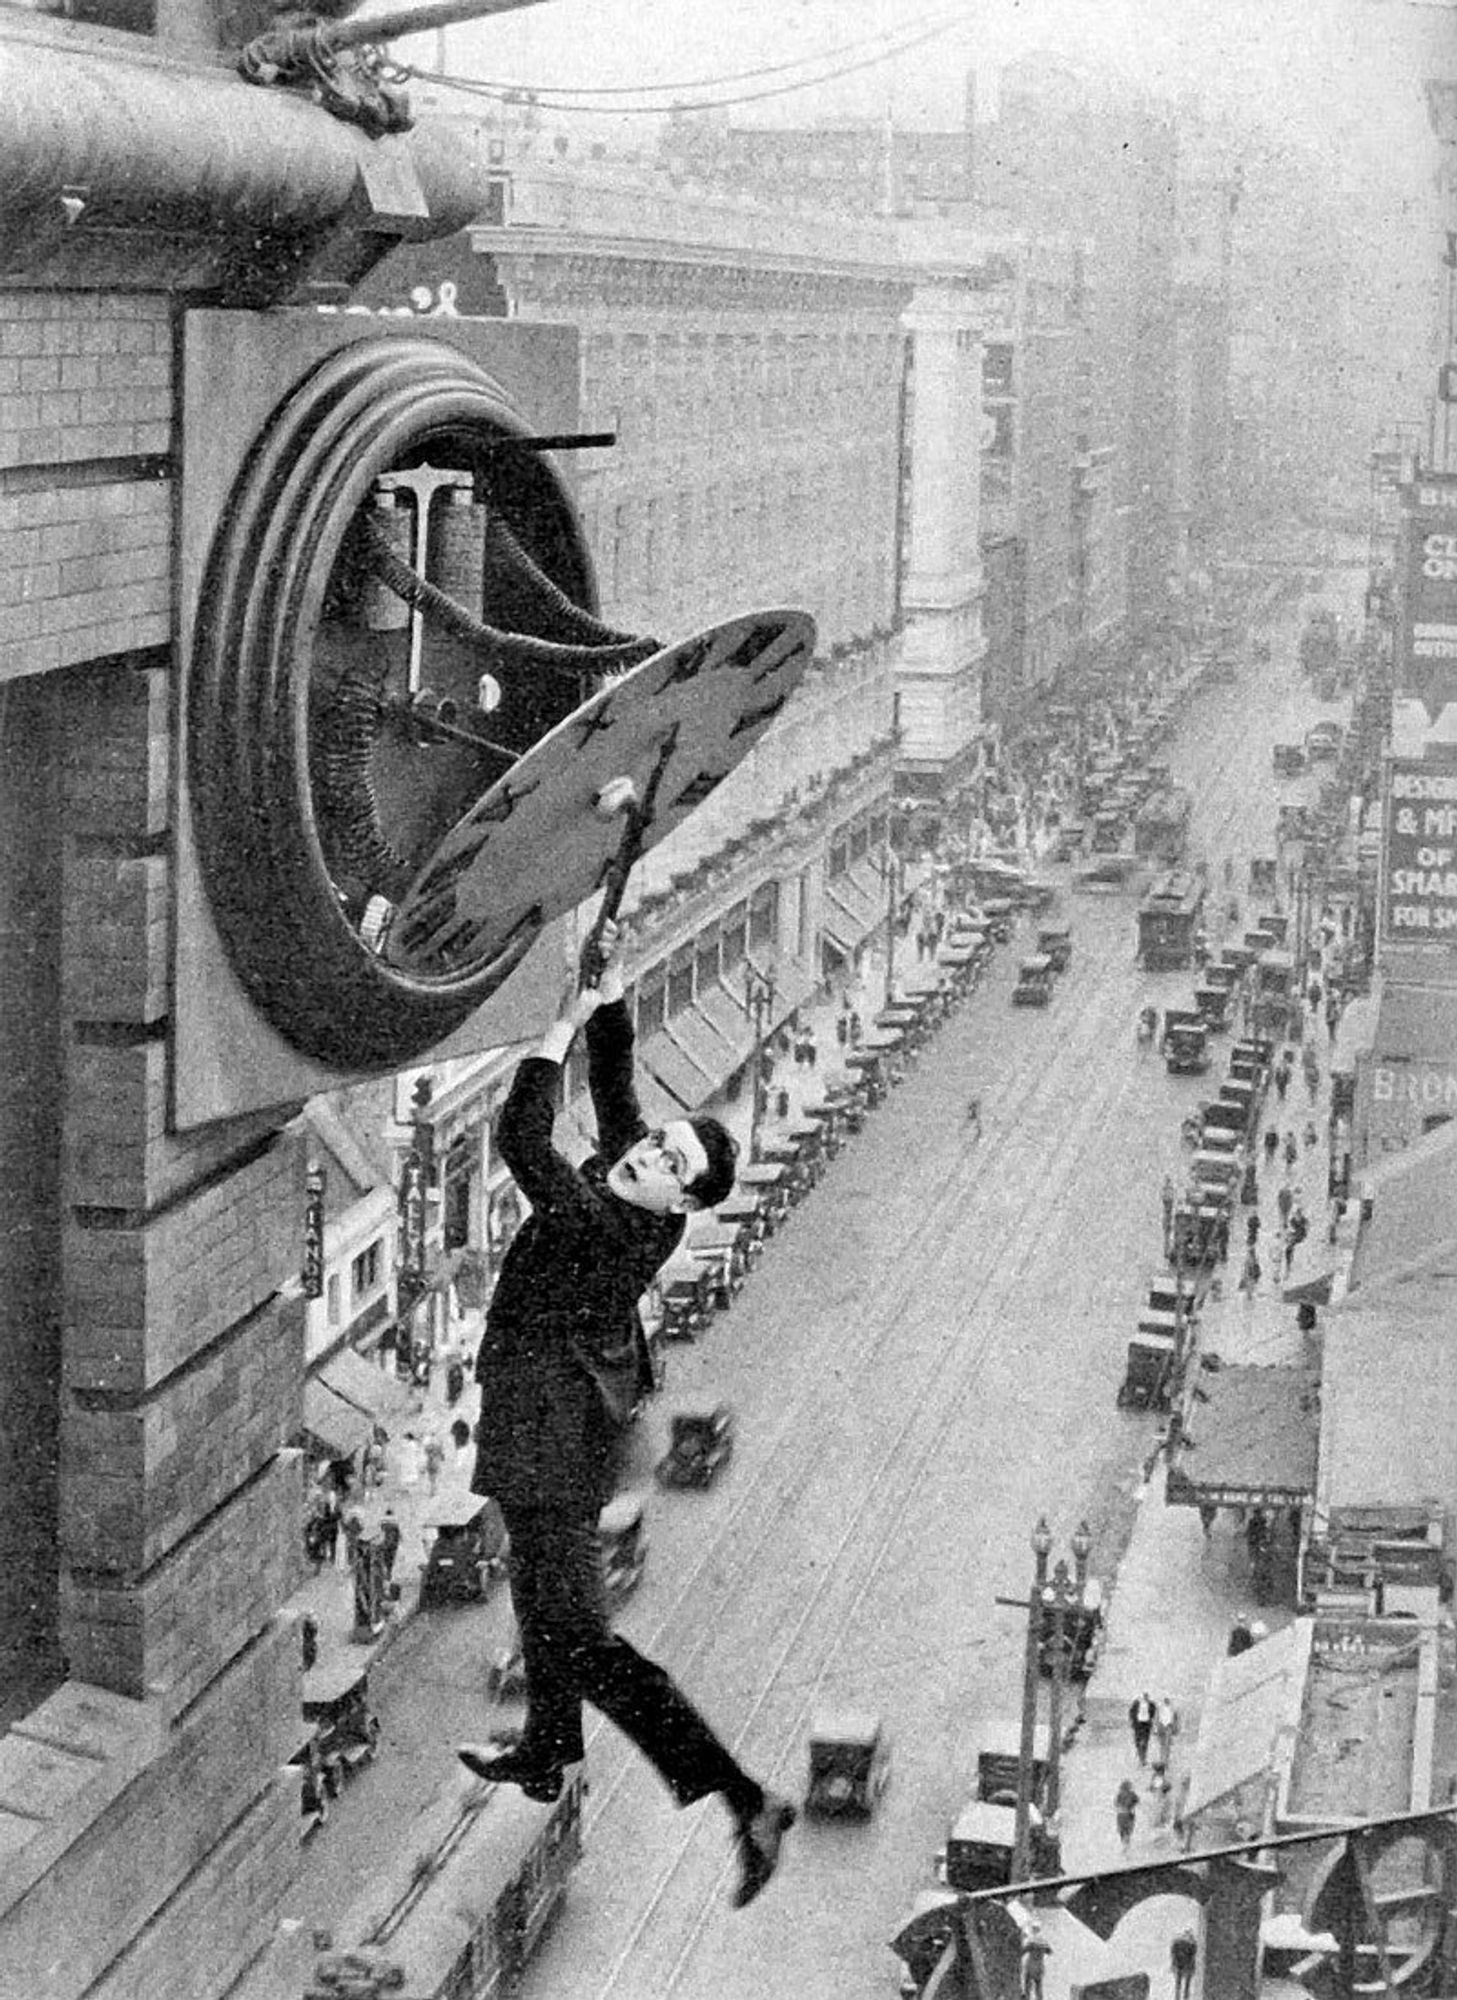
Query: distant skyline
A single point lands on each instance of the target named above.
(1341, 75)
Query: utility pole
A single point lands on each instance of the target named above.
(759, 991)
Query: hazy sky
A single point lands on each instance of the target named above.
(1344, 72)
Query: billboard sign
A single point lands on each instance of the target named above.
(1419, 854)
(1426, 664)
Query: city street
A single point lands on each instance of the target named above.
(926, 1360)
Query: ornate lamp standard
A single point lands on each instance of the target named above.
(759, 993)
(1064, 1592)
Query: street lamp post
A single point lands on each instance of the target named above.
(1067, 1593)
(892, 912)
(1031, 1670)
(759, 992)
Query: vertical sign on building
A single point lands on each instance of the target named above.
(312, 1273)
(1426, 659)
(1419, 859)
(412, 1216)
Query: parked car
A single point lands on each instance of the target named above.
(702, 1444)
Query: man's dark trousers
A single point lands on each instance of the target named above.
(571, 1655)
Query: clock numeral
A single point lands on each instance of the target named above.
(595, 723)
(690, 663)
(753, 717)
(772, 666)
(750, 649)
(425, 920)
(697, 789)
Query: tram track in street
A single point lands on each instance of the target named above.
(951, 1371)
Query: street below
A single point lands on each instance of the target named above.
(926, 1360)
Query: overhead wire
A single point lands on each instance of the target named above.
(549, 101)
(937, 20)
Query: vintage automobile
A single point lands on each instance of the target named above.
(1213, 1003)
(344, 1728)
(717, 1247)
(849, 1763)
(1264, 875)
(1110, 829)
(998, 1763)
(467, 1549)
(1055, 941)
(686, 1288)
(1069, 840)
(701, 1443)
(1323, 740)
(1288, 759)
(1034, 982)
(1186, 1043)
(1111, 872)
(1148, 1371)
(981, 1846)
(1000, 913)
(768, 1180)
(623, 1544)
(1195, 1234)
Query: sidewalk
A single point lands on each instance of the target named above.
(328, 1595)
(1176, 1593)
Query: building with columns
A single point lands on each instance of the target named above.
(795, 406)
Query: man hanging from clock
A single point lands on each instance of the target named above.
(561, 1367)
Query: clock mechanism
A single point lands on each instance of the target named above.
(402, 704)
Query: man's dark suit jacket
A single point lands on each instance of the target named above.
(563, 1359)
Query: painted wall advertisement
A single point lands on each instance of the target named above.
(1419, 858)
(1427, 649)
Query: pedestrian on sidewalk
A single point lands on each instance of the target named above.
(1272, 1144)
(434, 1459)
(1282, 1077)
(1168, 1195)
(1208, 1515)
(389, 1542)
(1252, 1229)
(1165, 1729)
(1290, 1151)
(1285, 1201)
(1141, 1714)
(1183, 1957)
(562, 1367)
(1125, 1809)
(1035, 1953)
(1249, 1278)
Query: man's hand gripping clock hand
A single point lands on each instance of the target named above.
(585, 1000)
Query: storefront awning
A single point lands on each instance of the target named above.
(728, 1019)
(871, 883)
(659, 1105)
(840, 927)
(1250, 1441)
(702, 1044)
(376, 1393)
(336, 1425)
(1250, 1724)
(847, 901)
(676, 1071)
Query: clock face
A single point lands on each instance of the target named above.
(401, 705)
(539, 839)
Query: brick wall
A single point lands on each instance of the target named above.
(149, 1518)
(85, 526)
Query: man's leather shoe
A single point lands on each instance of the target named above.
(759, 1840)
(509, 1764)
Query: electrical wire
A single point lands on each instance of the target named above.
(729, 76)
(504, 93)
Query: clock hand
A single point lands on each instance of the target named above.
(621, 796)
